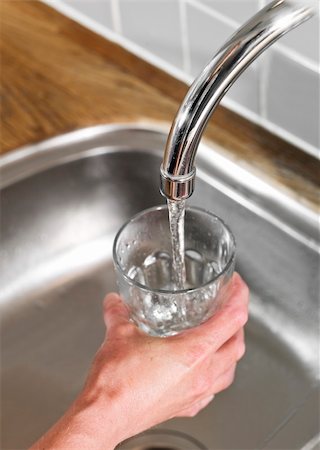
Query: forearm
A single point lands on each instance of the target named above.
(86, 426)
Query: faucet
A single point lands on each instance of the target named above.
(177, 171)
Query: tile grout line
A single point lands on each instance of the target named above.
(185, 37)
(284, 50)
(298, 58)
(213, 13)
(288, 52)
(116, 16)
(119, 39)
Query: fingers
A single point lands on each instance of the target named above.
(115, 311)
(224, 361)
(226, 358)
(232, 350)
(193, 410)
(219, 384)
(225, 380)
(227, 321)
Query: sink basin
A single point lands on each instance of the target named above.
(63, 200)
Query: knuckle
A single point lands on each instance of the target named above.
(240, 316)
(192, 412)
(199, 405)
(233, 373)
(237, 348)
(227, 383)
(203, 385)
(241, 289)
(244, 292)
(244, 288)
(241, 350)
(228, 379)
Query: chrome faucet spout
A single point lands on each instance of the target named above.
(177, 171)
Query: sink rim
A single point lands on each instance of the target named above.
(239, 183)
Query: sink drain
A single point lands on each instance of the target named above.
(162, 440)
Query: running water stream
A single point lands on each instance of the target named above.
(176, 222)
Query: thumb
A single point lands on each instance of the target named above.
(115, 311)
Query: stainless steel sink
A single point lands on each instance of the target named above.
(63, 201)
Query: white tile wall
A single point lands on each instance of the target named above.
(206, 33)
(292, 99)
(238, 10)
(280, 90)
(305, 39)
(155, 25)
(99, 10)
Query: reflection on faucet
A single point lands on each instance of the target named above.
(262, 30)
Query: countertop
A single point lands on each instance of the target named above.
(58, 76)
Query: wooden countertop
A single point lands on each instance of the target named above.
(58, 76)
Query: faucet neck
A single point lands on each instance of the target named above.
(262, 30)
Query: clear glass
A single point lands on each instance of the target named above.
(142, 256)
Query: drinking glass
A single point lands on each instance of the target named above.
(142, 256)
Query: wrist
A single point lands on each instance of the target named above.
(98, 419)
(85, 425)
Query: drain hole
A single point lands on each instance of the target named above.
(158, 448)
(155, 447)
(162, 440)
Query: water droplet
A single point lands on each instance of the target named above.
(194, 255)
(150, 260)
(136, 274)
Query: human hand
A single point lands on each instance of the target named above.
(149, 380)
(137, 381)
